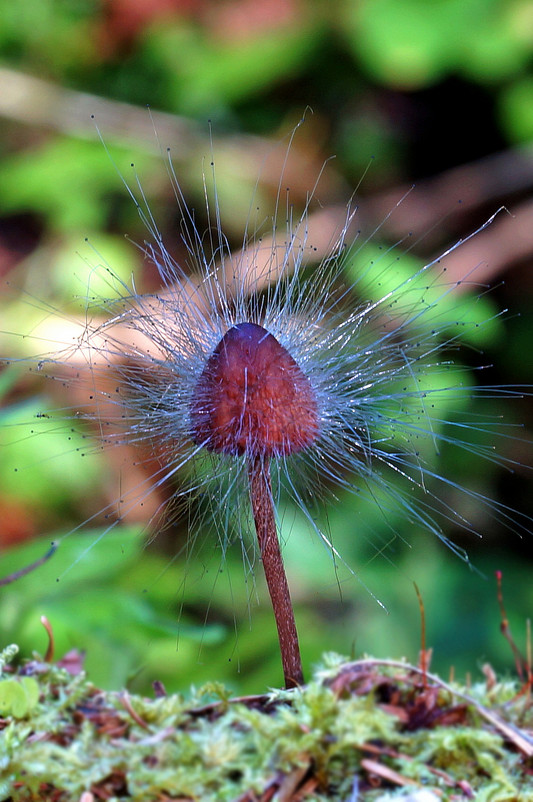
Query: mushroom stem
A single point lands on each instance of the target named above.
(278, 588)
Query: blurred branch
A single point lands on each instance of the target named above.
(33, 101)
(43, 104)
(480, 185)
(485, 182)
(494, 250)
(491, 180)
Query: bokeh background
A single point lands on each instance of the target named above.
(440, 94)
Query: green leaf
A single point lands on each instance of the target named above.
(205, 74)
(18, 697)
(28, 432)
(71, 182)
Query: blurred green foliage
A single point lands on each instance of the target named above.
(421, 87)
(414, 44)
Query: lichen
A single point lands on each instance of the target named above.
(381, 728)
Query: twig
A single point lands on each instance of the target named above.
(522, 741)
(520, 663)
(126, 704)
(7, 580)
(49, 656)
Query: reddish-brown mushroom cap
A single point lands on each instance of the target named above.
(252, 397)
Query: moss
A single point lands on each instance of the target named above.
(377, 727)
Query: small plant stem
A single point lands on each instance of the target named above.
(267, 536)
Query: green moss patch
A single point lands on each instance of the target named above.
(366, 730)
